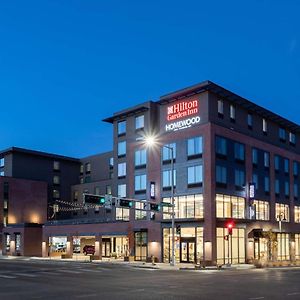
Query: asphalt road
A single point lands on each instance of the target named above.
(71, 280)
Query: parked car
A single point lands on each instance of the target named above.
(89, 249)
(60, 248)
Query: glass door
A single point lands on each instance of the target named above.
(187, 250)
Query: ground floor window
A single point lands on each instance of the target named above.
(122, 214)
(57, 245)
(18, 242)
(231, 250)
(7, 242)
(297, 246)
(283, 246)
(188, 244)
(141, 241)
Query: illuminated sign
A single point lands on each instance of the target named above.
(152, 190)
(251, 191)
(182, 109)
(182, 124)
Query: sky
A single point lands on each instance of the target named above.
(66, 64)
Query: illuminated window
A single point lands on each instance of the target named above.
(140, 214)
(88, 167)
(262, 210)
(232, 113)
(81, 169)
(230, 207)
(292, 138)
(75, 195)
(265, 126)
(122, 214)
(56, 179)
(111, 162)
(190, 206)
(108, 190)
(56, 194)
(283, 246)
(282, 212)
(297, 214)
(220, 107)
(56, 165)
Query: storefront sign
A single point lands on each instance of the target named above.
(180, 110)
(251, 191)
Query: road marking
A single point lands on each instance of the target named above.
(88, 270)
(25, 274)
(257, 298)
(292, 294)
(7, 276)
(69, 271)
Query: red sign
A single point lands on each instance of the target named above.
(182, 109)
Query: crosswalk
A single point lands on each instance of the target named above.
(38, 273)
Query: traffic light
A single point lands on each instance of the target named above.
(94, 199)
(154, 207)
(230, 226)
(178, 229)
(125, 203)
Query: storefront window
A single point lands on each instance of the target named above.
(58, 245)
(297, 214)
(190, 206)
(297, 246)
(282, 212)
(18, 241)
(230, 207)
(7, 242)
(141, 240)
(283, 246)
(235, 244)
(262, 209)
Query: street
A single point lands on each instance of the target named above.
(72, 280)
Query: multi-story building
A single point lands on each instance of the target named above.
(223, 146)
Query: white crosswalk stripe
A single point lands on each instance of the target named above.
(7, 276)
(26, 274)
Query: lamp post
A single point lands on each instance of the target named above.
(150, 141)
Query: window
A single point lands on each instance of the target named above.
(56, 194)
(195, 176)
(265, 126)
(282, 134)
(286, 188)
(277, 187)
(282, 212)
(122, 169)
(292, 138)
(239, 151)
(220, 108)
(221, 175)
(139, 122)
(140, 183)
(254, 156)
(140, 157)
(56, 165)
(122, 148)
(286, 166)
(230, 207)
(296, 191)
(122, 214)
(221, 146)
(239, 178)
(255, 180)
(186, 207)
(88, 167)
(167, 177)
(167, 152)
(140, 214)
(56, 179)
(297, 214)
(266, 159)
(250, 121)
(122, 190)
(108, 190)
(276, 162)
(97, 190)
(1, 162)
(75, 195)
(111, 162)
(295, 168)
(262, 210)
(140, 245)
(81, 169)
(232, 113)
(267, 184)
(1, 173)
(194, 146)
(121, 127)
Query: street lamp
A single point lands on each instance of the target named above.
(150, 142)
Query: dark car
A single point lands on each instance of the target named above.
(89, 249)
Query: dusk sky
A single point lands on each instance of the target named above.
(66, 65)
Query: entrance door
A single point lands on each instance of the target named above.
(106, 248)
(187, 250)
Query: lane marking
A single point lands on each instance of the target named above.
(257, 298)
(25, 275)
(69, 271)
(7, 276)
(292, 294)
(86, 296)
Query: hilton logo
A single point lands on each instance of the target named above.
(182, 109)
